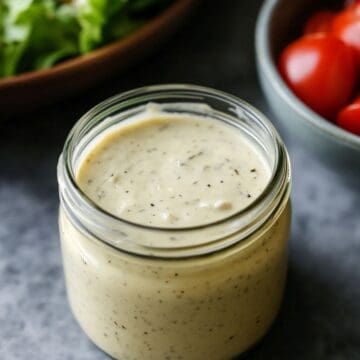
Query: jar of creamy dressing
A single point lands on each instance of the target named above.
(174, 223)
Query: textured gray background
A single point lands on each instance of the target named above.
(320, 318)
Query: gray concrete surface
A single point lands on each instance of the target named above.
(320, 318)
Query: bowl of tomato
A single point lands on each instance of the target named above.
(308, 60)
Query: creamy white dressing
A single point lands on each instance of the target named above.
(173, 170)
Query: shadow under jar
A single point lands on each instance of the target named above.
(207, 291)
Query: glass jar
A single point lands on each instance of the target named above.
(205, 292)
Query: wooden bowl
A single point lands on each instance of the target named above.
(38, 88)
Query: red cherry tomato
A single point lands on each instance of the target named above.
(321, 21)
(346, 26)
(349, 117)
(321, 71)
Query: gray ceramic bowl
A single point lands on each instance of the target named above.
(279, 22)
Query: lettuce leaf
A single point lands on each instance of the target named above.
(53, 36)
(92, 17)
(121, 26)
(36, 34)
(15, 34)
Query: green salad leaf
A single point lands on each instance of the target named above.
(92, 18)
(36, 34)
(15, 34)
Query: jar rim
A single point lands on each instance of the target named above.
(278, 185)
(167, 87)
